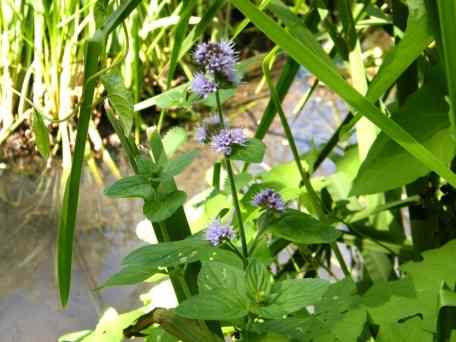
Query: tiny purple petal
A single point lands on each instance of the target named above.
(217, 232)
(268, 198)
(223, 141)
(201, 135)
(203, 86)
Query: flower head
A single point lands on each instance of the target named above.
(202, 86)
(218, 58)
(210, 126)
(217, 232)
(223, 141)
(268, 198)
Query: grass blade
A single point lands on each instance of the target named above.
(328, 74)
(447, 16)
(71, 197)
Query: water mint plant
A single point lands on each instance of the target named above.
(263, 270)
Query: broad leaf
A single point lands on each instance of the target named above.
(131, 187)
(292, 295)
(130, 275)
(175, 166)
(388, 165)
(169, 254)
(164, 206)
(258, 281)
(174, 139)
(120, 98)
(216, 276)
(252, 151)
(299, 227)
(225, 304)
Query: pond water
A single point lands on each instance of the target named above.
(106, 230)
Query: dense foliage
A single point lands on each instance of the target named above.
(365, 254)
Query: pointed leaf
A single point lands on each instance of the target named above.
(164, 207)
(252, 151)
(130, 187)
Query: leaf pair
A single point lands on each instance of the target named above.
(159, 204)
(228, 293)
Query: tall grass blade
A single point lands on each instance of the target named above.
(327, 73)
(447, 16)
(95, 48)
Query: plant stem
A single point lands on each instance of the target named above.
(229, 169)
(305, 178)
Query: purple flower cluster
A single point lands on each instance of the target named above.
(210, 126)
(218, 62)
(203, 86)
(217, 58)
(268, 198)
(224, 141)
(217, 232)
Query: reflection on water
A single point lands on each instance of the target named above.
(29, 306)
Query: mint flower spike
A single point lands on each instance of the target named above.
(210, 126)
(202, 86)
(269, 198)
(224, 141)
(218, 58)
(217, 232)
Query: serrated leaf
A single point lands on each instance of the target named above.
(252, 151)
(174, 139)
(41, 133)
(298, 227)
(120, 98)
(175, 166)
(258, 281)
(131, 187)
(216, 276)
(292, 295)
(225, 304)
(388, 165)
(170, 254)
(164, 206)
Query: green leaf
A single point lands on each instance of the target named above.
(292, 295)
(409, 331)
(216, 276)
(169, 254)
(174, 139)
(225, 304)
(164, 206)
(447, 18)
(447, 312)
(130, 275)
(175, 166)
(258, 281)
(41, 134)
(327, 73)
(298, 227)
(388, 165)
(120, 98)
(131, 187)
(252, 151)
(418, 299)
